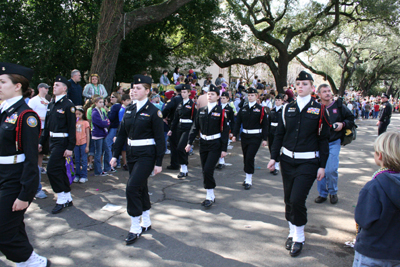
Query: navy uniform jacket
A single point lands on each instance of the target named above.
(385, 113)
(273, 120)
(300, 134)
(146, 123)
(251, 119)
(187, 111)
(60, 118)
(169, 109)
(210, 124)
(230, 116)
(30, 131)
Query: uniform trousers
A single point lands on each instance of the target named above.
(382, 127)
(270, 142)
(56, 170)
(210, 152)
(250, 145)
(14, 242)
(183, 136)
(137, 191)
(173, 145)
(298, 176)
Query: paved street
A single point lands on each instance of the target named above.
(243, 228)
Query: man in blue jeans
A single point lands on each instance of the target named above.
(341, 119)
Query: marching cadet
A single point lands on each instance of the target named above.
(142, 129)
(60, 128)
(168, 113)
(303, 134)
(255, 132)
(230, 121)
(385, 113)
(183, 120)
(273, 117)
(214, 135)
(19, 173)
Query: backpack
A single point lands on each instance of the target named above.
(349, 134)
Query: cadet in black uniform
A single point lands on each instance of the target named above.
(142, 129)
(303, 134)
(214, 135)
(60, 128)
(19, 173)
(255, 132)
(183, 120)
(230, 121)
(273, 118)
(385, 113)
(168, 113)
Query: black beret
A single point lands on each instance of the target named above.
(225, 94)
(385, 95)
(252, 90)
(9, 68)
(63, 80)
(186, 87)
(179, 87)
(279, 96)
(304, 76)
(138, 78)
(213, 88)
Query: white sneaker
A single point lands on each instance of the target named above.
(76, 179)
(167, 152)
(34, 261)
(83, 180)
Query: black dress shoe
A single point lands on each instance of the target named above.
(275, 172)
(296, 248)
(182, 174)
(170, 167)
(334, 199)
(145, 229)
(220, 166)
(320, 199)
(247, 186)
(207, 203)
(288, 243)
(244, 183)
(59, 207)
(48, 264)
(131, 238)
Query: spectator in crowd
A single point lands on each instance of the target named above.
(75, 90)
(367, 110)
(376, 109)
(289, 93)
(219, 80)
(377, 211)
(125, 101)
(202, 100)
(164, 81)
(115, 101)
(94, 87)
(208, 81)
(255, 81)
(81, 149)
(176, 75)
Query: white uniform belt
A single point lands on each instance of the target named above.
(12, 159)
(252, 131)
(274, 124)
(142, 142)
(210, 137)
(300, 155)
(52, 134)
(185, 121)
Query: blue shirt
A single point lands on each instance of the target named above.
(121, 113)
(75, 93)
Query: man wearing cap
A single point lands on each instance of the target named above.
(303, 135)
(273, 119)
(168, 114)
(385, 113)
(214, 134)
(75, 90)
(60, 130)
(255, 132)
(39, 104)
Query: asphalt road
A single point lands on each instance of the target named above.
(243, 228)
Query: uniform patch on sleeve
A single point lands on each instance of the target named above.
(32, 121)
(72, 109)
(159, 113)
(313, 111)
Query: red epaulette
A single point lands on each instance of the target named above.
(222, 120)
(262, 115)
(191, 116)
(18, 132)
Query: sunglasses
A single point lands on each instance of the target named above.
(113, 96)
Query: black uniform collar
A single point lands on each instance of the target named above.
(145, 106)
(14, 107)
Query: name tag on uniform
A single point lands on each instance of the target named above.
(256, 110)
(202, 112)
(313, 111)
(128, 111)
(291, 109)
(334, 110)
(144, 114)
(48, 109)
(216, 114)
(60, 111)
